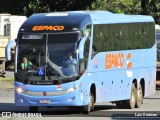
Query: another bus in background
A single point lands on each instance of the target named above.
(158, 56)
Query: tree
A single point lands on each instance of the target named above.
(117, 6)
(29, 7)
(151, 7)
(144, 7)
(12, 7)
(40, 6)
(36, 6)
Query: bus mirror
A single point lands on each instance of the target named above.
(81, 55)
(81, 47)
(8, 49)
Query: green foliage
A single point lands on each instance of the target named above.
(117, 6)
(29, 7)
(36, 6)
(41, 6)
(144, 7)
(7, 79)
(151, 7)
(13, 7)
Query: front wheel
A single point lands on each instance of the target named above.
(120, 104)
(130, 104)
(90, 107)
(33, 109)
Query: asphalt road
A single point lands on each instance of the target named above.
(151, 106)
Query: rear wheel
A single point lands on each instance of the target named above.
(90, 107)
(130, 104)
(33, 108)
(139, 97)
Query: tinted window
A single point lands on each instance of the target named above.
(114, 37)
(63, 38)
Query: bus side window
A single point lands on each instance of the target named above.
(84, 61)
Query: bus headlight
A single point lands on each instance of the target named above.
(71, 89)
(19, 90)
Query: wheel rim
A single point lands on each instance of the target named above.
(91, 103)
(139, 95)
(133, 98)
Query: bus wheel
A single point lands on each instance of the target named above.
(130, 104)
(120, 104)
(90, 107)
(139, 97)
(33, 108)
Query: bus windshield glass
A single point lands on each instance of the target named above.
(47, 57)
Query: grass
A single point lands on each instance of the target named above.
(6, 83)
(7, 79)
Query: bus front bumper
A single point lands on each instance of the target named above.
(74, 98)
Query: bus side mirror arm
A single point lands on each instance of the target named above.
(8, 49)
(81, 47)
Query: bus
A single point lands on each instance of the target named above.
(114, 60)
(157, 27)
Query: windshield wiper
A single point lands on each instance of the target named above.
(29, 75)
(55, 67)
(55, 70)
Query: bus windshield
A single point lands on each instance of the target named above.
(47, 57)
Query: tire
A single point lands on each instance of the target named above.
(120, 105)
(33, 109)
(130, 104)
(90, 107)
(139, 97)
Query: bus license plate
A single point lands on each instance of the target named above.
(44, 101)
